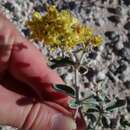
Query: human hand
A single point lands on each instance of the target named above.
(22, 67)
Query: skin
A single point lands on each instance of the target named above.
(27, 99)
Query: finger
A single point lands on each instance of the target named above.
(34, 115)
(21, 88)
(26, 63)
(6, 42)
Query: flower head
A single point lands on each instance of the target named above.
(60, 29)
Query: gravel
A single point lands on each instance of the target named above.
(110, 63)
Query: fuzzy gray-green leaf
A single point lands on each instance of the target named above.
(64, 89)
(61, 62)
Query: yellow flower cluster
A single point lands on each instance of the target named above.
(60, 29)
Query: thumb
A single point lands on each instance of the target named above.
(32, 115)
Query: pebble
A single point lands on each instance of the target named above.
(119, 45)
(39, 8)
(92, 55)
(128, 103)
(127, 26)
(116, 10)
(50, 1)
(114, 19)
(101, 76)
(90, 74)
(113, 36)
(113, 123)
(99, 22)
(82, 70)
(72, 5)
(88, 10)
(65, 5)
(8, 5)
(126, 2)
(126, 53)
(110, 76)
(121, 69)
(86, 84)
(26, 31)
(127, 85)
(127, 44)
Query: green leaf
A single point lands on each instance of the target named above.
(106, 122)
(90, 105)
(124, 122)
(92, 110)
(61, 62)
(73, 104)
(102, 98)
(92, 117)
(116, 104)
(64, 89)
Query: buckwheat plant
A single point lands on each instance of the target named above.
(60, 30)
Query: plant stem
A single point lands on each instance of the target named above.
(76, 84)
(82, 56)
(97, 122)
(78, 110)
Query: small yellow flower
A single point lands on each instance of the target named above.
(36, 15)
(96, 40)
(60, 29)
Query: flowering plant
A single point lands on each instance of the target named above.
(61, 30)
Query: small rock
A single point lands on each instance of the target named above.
(39, 8)
(121, 69)
(16, 17)
(127, 25)
(50, 1)
(90, 74)
(88, 10)
(119, 45)
(99, 22)
(128, 35)
(92, 55)
(103, 1)
(126, 44)
(128, 100)
(65, 5)
(114, 19)
(82, 94)
(127, 85)
(112, 35)
(63, 76)
(110, 76)
(82, 70)
(26, 31)
(116, 11)
(72, 5)
(120, 52)
(70, 70)
(86, 85)
(101, 76)
(128, 103)
(126, 53)
(9, 6)
(113, 123)
(127, 2)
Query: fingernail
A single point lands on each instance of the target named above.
(61, 122)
